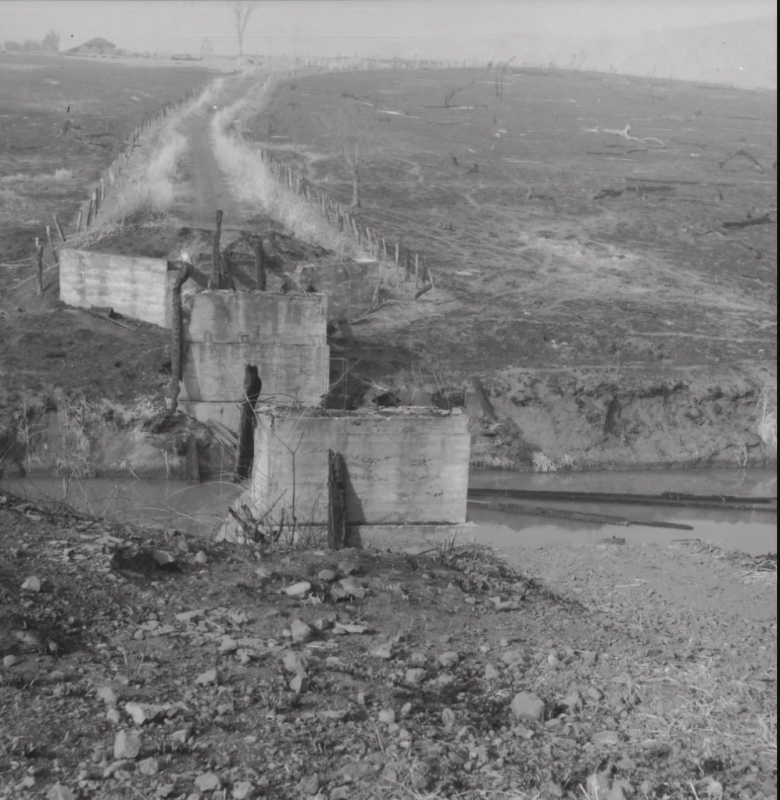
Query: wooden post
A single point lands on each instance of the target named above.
(487, 406)
(215, 281)
(78, 221)
(408, 265)
(341, 223)
(39, 249)
(191, 465)
(260, 265)
(59, 229)
(176, 331)
(416, 271)
(337, 518)
(90, 213)
(51, 245)
(245, 454)
(397, 254)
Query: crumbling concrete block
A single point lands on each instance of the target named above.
(403, 466)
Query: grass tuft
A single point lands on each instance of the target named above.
(766, 415)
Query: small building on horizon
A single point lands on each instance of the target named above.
(94, 47)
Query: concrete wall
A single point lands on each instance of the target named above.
(404, 465)
(224, 317)
(350, 287)
(290, 373)
(282, 335)
(134, 286)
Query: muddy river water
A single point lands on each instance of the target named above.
(200, 508)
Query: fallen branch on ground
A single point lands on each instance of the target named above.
(625, 134)
(764, 219)
(744, 154)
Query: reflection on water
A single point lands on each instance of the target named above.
(201, 508)
(198, 508)
(754, 482)
(749, 532)
(754, 533)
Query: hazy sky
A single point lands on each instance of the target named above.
(437, 28)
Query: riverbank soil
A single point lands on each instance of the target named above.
(137, 664)
(581, 273)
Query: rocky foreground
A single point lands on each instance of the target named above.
(140, 665)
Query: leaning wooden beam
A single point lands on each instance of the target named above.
(176, 326)
(245, 451)
(337, 517)
(487, 406)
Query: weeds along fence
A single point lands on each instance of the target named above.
(341, 220)
(109, 177)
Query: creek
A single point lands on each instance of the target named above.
(201, 508)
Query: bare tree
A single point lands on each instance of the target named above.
(451, 91)
(51, 42)
(500, 77)
(242, 12)
(352, 133)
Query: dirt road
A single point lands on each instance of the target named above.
(204, 188)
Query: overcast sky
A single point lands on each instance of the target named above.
(436, 28)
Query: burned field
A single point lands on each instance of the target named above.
(63, 120)
(567, 243)
(572, 254)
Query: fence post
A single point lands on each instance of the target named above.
(39, 248)
(260, 265)
(176, 336)
(215, 281)
(51, 245)
(59, 228)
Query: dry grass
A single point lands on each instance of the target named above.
(150, 189)
(545, 464)
(253, 182)
(150, 192)
(710, 708)
(766, 415)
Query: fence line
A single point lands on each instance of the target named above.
(336, 214)
(110, 175)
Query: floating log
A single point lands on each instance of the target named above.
(583, 516)
(756, 503)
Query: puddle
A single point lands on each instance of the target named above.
(750, 532)
(201, 508)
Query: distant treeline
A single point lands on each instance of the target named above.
(49, 44)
